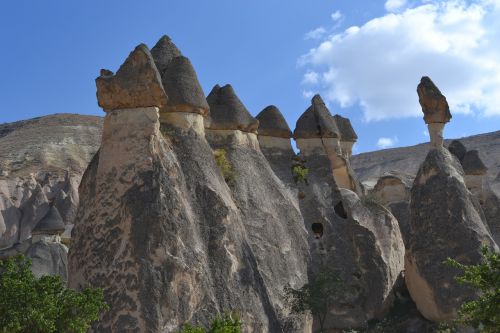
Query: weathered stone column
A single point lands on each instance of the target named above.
(435, 108)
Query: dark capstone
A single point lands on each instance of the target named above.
(163, 52)
(272, 123)
(51, 223)
(182, 86)
(433, 103)
(458, 149)
(316, 122)
(227, 112)
(347, 133)
(472, 164)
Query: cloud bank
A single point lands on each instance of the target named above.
(378, 65)
(383, 143)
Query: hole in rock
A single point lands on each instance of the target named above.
(317, 229)
(339, 210)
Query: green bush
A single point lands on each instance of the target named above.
(300, 173)
(484, 312)
(43, 305)
(228, 323)
(224, 165)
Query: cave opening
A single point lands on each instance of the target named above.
(317, 229)
(340, 210)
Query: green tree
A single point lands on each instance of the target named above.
(318, 296)
(43, 305)
(224, 165)
(228, 323)
(484, 312)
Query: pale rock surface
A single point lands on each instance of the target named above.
(445, 221)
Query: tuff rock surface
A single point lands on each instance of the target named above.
(445, 221)
(433, 102)
(137, 83)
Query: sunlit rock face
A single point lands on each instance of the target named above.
(445, 221)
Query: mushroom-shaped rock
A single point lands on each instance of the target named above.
(473, 165)
(163, 52)
(457, 148)
(445, 221)
(227, 112)
(433, 103)
(136, 84)
(183, 88)
(51, 224)
(393, 187)
(347, 133)
(272, 123)
(316, 122)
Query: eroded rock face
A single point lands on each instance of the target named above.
(49, 258)
(169, 244)
(136, 84)
(433, 102)
(272, 123)
(445, 221)
(457, 148)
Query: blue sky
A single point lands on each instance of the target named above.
(364, 57)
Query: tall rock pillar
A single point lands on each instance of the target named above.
(435, 108)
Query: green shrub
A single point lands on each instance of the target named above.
(43, 305)
(228, 323)
(300, 173)
(484, 312)
(224, 165)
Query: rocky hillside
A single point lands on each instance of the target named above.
(370, 166)
(41, 162)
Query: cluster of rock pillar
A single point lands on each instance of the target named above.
(172, 240)
(192, 207)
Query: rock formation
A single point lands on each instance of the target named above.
(348, 136)
(317, 133)
(171, 241)
(457, 148)
(435, 108)
(136, 84)
(179, 79)
(445, 221)
(393, 190)
(274, 137)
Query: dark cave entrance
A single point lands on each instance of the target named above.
(317, 229)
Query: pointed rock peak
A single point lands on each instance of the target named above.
(317, 100)
(136, 84)
(164, 51)
(458, 149)
(472, 164)
(52, 223)
(347, 132)
(272, 123)
(227, 112)
(183, 88)
(316, 122)
(433, 103)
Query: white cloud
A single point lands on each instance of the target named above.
(310, 78)
(394, 5)
(337, 15)
(317, 33)
(379, 64)
(307, 94)
(383, 143)
(426, 133)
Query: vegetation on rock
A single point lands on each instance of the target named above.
(224, 165)
(43, 305)
(228, 323)
(300, 173)
(484, 312)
